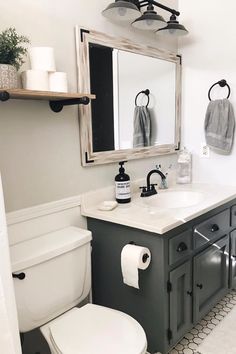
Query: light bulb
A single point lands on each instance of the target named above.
(171, 30)
(122, 11)
(149, 22)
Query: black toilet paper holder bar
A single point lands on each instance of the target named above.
(145, 256)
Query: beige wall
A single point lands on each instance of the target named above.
(39, 150)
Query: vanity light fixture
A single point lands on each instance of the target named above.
(173, 28)
(130, 11)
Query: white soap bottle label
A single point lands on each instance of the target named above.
(122, 189)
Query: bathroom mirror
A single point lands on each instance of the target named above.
(123, 122)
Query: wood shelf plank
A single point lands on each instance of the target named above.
(44, 95)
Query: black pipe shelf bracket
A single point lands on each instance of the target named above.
(57, 101)
(4, 96)
(57, 106)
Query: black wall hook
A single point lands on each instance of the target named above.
(144, 92)
(222, 83)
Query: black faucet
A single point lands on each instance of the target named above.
(150, 189)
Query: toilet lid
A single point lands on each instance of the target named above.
(95, 329)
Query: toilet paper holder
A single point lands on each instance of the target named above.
(145, 256)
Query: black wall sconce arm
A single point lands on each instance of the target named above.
(143, 3)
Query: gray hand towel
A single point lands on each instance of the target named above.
(142, 127)
(219, 125)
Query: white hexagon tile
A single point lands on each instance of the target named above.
(190, 343)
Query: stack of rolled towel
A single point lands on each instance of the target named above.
(43, 75)
(219, 125)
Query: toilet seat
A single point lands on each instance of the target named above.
(94, 329)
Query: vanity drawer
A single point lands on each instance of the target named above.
(233, 215)
(180, 246)
(212, 228)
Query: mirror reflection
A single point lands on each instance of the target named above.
(135, 104)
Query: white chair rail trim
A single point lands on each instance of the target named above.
(26, 214)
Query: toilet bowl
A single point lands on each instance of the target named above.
(57, 278)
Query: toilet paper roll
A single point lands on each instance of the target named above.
(35, 80)
(42, 58)
(134, 258)
(58, 82)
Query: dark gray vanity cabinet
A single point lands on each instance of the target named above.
(188, 274)
(210, 277)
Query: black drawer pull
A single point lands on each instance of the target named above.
(190, 293)
(19, 276)
(200, 286)
(182, 247)
(215, 228)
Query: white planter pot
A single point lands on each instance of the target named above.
(8, 77)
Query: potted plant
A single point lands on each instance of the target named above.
(11, 56)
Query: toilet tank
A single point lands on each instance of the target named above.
(57, 269)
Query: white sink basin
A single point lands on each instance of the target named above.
(172, 199)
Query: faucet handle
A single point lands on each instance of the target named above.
(143, 189)
(153, 185)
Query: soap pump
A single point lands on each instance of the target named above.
(122, 185)
(184, 167)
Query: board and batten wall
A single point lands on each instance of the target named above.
(40, 150)
(209, 55)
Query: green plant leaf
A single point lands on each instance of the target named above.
(12, 51)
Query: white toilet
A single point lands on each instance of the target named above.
(57, 268)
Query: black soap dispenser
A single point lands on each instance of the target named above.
(122, 184)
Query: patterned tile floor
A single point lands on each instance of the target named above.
(189, 344)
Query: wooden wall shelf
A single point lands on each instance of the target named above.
(57, 100)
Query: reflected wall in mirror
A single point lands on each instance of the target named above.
(124, 123)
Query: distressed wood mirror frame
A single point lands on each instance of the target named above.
(88, 156)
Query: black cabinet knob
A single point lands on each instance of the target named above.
(19, 276)
(190, 293)
(182, 247)
(200, 286)
(215, 228)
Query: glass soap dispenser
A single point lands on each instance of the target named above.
(184, 167)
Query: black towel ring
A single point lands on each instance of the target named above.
(145, 92)
(222, 83)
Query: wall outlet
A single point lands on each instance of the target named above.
(205, 151)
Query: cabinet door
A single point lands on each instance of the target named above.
(233, 260)
(210, 277)
(180, 301)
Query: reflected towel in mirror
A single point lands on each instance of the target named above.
(142, 127)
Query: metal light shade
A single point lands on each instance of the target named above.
(149, 20)
(173, 28)
(121, 10)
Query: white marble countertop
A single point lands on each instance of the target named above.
(139, 215)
